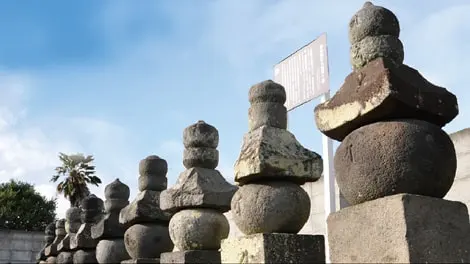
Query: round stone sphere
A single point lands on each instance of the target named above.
(271, 207)
(267, 91)
(147, 241)
(200, 135)
(84, 256)
(392, 157)
(372, 20)
(198, 229)
(111, 251)
(65, 257)
(52, 260)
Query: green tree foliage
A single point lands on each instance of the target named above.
(76, 172)
(23, 208)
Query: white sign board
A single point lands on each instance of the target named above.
(304, 74)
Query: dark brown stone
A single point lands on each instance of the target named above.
(400, 229)
(391, 157)
(191, 256)
(382, 91)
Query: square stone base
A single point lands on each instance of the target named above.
(191, 256)
(274, 248)
(141, 261)
(401, 228)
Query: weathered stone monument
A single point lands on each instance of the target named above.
(51, 251)
(395, 163)
(72, 224)
(82, 243)
(147, 236)
(109, 232)
(48, 239)
(198, 200)
(270, 207)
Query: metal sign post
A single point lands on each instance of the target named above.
(305, 76)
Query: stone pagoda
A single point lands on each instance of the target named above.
(51, 251)
(48, 239)
(109, 232)
(146, 235)
(72, 224)
(395, 163)
(198, 200)
(82, 243)
(270, 207)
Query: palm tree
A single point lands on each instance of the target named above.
(77, 173)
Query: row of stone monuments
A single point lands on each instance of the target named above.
(394, 165)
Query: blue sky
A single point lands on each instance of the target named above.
(121, 80)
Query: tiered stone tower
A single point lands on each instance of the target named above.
(199, 199)
(109, 232)
(48, 239)
(51, 251)
(82, 242)
(395, 163)
(72, 224)
(270, 207)
(147, 234)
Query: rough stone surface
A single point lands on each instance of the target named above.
(144, 208)
(111, 251)
(399, 156)
(267, 91)
(142, 261)
(147, 241)
(153, 165)
(372, 20)
(201, 188)
(267, 113)
(273, 153)
(152, 183)
(370, 48)
(92, 212)
(65, 257)
(191, 256)
(401, 229)
(201, 157)
(48, 239)
(198, 229)
(270, 207)
(382, 91)
(200, 135)
(274, 248)
(84, 257)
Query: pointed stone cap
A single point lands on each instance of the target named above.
(73, 220)
(270, 153)
(372, 20)
(198, 188)
(117, 190)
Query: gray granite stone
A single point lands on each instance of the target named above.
(198, 187)
(200, 135)
(144, 208)
(274, 248)
(402, 228)
(191, 256)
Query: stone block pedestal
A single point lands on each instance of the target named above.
(141, 261)
(402, 228)
(274, 248)
(191, 256)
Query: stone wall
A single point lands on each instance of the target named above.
(20, 246)
(459, 192)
